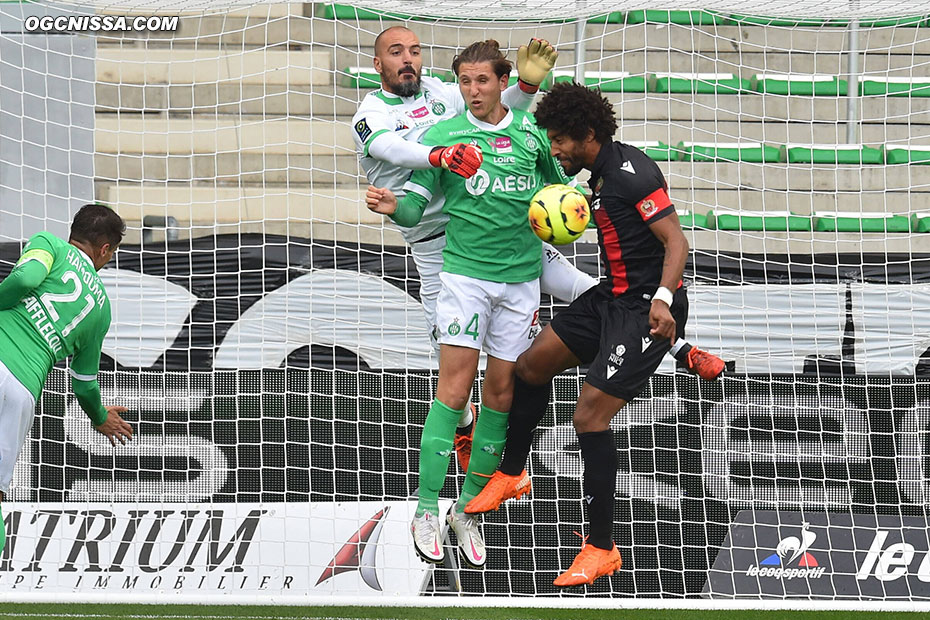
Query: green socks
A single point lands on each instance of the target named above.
(486, 448)
(2, 533)
(436, 446)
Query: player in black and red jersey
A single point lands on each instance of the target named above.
(621, 329)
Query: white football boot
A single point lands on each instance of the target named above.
(427, 538)
(468, 531)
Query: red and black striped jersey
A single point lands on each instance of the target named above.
(629, 193)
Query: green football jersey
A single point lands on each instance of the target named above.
(67, 314)
(488, 235)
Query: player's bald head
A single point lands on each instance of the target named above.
(393, 35)
(398, 61)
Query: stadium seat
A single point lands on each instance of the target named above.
(831, 154)
(757, 221)
(122, 65)
(912, 21)
(691, 220)
(753, 152)
(699, 83)
(906, 154)
(806, 22)
(347, 12)
(860, 222)
(798, 84)
(608, 81)
(894, 86)
(656, 151)
(610, 18)
(920, 222)
(366, 77)
(682, 18)
(786, 22)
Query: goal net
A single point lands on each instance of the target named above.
(270, 345)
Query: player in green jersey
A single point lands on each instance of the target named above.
(53, 305)
(490, 282)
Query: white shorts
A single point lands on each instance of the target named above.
(427, 256)
(500, 318)
(17, 409)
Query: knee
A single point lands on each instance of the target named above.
(452, 398)
(531, 373)
(584, 422)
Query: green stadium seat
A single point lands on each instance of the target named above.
(346, 12)
(608, 81)
(912, 21)
(787, 22)
(657, 151)
(920, 222)
(758, 221)
(681, 18)
(798, 84)
(831, 154)
(610, 18)
(753, 152)
(894, 86)
(699, 83)
(840, 221)
(906, 154)
(691, 220)
(366, 77)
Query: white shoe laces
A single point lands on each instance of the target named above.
(425, 530)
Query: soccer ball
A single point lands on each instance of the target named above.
(559, 214)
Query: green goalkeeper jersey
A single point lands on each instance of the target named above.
(488, 235)
(67, 313)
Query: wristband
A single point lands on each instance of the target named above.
(530, 89)
(663, 294)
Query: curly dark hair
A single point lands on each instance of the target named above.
(572, 109)
(484, 51)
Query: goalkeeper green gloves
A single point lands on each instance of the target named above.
(534, 62)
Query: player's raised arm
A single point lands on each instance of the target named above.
(534, 62)
(30, 271)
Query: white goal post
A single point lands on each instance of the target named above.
(269, 342)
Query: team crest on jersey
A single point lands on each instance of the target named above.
(617, 356)
(454, 328)
(647, 207)
(531, 142)
(439, 108)
(363, 130)
(599, 185)
(501, 144)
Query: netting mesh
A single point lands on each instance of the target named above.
(269, 342)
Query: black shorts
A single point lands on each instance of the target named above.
(611, 335)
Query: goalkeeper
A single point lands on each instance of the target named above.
(53, 305)
(490, 288)
(387, 128)
(620, 329)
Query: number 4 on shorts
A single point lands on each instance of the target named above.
(472, 328)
